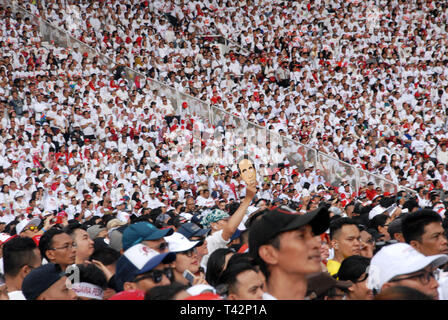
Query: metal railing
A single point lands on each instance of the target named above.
(226, 42)
(333, 170)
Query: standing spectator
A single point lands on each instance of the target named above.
(58, 247)
(147, 234)
(222, 226)
(142, 268)
(243, 282)
(84, 244)
(400, 264)
(345, 241)
(286, 247)
(20, 257)
(186, 258)
(423, 230)
(47, 282)
(355, 269)
(395, 230)
(92, 283)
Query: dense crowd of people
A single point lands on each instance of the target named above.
(110, 180)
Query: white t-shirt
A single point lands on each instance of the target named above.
(16, 295)
(214, 242)
(267, 296)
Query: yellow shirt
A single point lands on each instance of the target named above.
(333, 267)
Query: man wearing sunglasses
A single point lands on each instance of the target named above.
(142, 268)
(28, 228)
(400, 264)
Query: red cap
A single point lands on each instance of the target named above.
(129, 295)
(36, 239)
(204, 296)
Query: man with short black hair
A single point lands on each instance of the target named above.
(243, 282)
(58, 247)
(345, 240)
(423, 230)
(84, 245)
(395, 230)
(20, 256)
(355, 269)
(286, 247)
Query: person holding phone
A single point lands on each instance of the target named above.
(186, 268)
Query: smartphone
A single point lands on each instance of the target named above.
(189, 276)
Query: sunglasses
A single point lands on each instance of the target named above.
(161, 247)
(32, 228)
(156, 275)
(189, 253)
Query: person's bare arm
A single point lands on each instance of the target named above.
(237, 217)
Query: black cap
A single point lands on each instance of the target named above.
(322, 282)
(395, 227)
(40, 279)
(190, 229)
(284, 219)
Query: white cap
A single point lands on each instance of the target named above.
(177, 242)
(25, 223)
(376, 211)
(123, 216)
(200, 288)
(46, 213)
(19, 194)
(399, 259)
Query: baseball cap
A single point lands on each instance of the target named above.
(177, 242)
(137, 260)
(200, 289)
(205, 296)
(114, 223)
(95, 230)
(116, 238)
(40, 279)
(398, 259)
(190, 229)
(129, 295)
(25, 223)
(394, 226)
(322, 282)
(4, 237)
(142, 231)
(283, 219)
